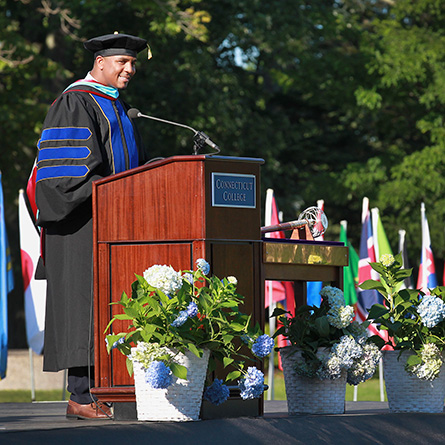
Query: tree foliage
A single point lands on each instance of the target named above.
(341, 98)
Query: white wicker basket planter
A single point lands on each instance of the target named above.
(310, 395)
(407, 393)
(181, 401)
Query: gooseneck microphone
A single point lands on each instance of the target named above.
(200, 138)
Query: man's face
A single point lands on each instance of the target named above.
(116, 71)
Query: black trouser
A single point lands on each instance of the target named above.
(79, 384)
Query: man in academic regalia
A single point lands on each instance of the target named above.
(86, 136)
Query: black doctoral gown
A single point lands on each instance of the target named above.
(86, 136)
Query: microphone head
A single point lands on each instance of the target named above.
(133, 113)
(317, 220)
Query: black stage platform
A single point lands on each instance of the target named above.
(363, 423)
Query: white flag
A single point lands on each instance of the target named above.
(35, 290)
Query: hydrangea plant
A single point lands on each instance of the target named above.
(191, 311)
(330, 341)
(414, 321)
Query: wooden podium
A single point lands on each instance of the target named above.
(173, 211)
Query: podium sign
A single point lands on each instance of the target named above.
(229, 190)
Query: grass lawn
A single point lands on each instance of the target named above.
(367, 391)
(24, 395)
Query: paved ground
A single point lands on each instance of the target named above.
(363, 423)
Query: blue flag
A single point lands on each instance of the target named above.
(6, 285)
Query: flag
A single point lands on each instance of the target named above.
(313, 288)
(427, 272)
(276, 290)
(408, 282)
(381, 244)
(35, 290)
(6, 286)
(366, 298)
(350, 272)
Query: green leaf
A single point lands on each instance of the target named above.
(377, 310)
(322, 325)
(179, 370)
(378, 268)
(281, 330)
(195, 350)
(378, 341)
(123, 317)
(233, 376)
(129, 364)
(413, 360)
(277, 312)
(237, 327)
(372, 284)
(403, 273)
(227, 361)
(131, 312)
(146, 336)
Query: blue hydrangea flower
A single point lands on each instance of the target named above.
(203, 265)
(188, 277)
(158, 375)
(180, 319)
(252, 385)
(118, 342)
(263, 346)
(334, 296)
(431, 310)
(192, 309)
(247, 339)
(217, 392)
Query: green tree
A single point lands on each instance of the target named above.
(341, 98)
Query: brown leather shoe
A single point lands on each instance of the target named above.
(94, 410)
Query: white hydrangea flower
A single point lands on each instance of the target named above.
(347, 350)
(363, 367)
(431, 363)
(145, 353)
(340, 317)
(164, 278)
(387, 259)
(232, 280)
(330, 368)
(431, 310)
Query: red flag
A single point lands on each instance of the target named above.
(366, 298)
(276, 290)
(427, 273)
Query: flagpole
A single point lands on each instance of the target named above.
(31, 365)
(422, 271)
(344, 224)
(271, 391)
(271, 368)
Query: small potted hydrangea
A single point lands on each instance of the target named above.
(327, 349)
(180, 325)
(415, 324)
